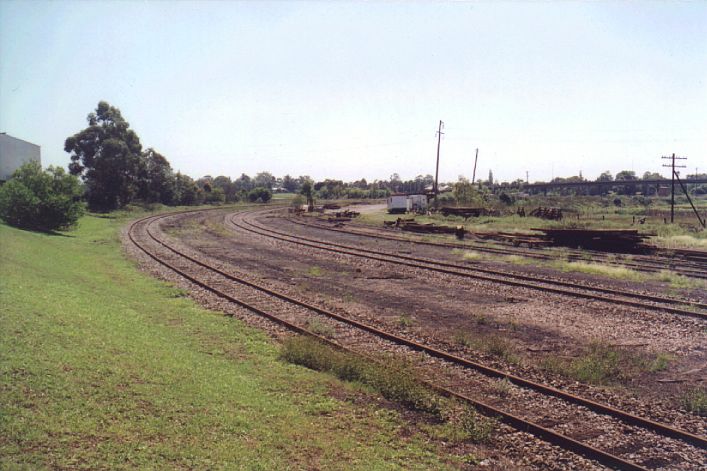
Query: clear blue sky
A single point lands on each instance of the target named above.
(351, 90)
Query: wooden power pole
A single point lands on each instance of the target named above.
(476, 159)
(439, 139)
(672, 182)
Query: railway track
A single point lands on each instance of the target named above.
(691, 264)
(580, 424)
(681, 307)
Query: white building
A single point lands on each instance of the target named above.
(397, 203)
(14, 153)
(417, 203)
(403, 203)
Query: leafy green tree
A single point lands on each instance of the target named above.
(228, 187)
(652, 176)
(259, 194)
(605, 177)
(157, 179)
(308, 192)
(107, 155)
(215, 196)
(43, 200)
(628, 176)
(243, 183)
(186, 191)
(265, 180)
(289, 183)
(466, 193)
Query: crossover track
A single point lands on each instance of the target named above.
(627, 298)
(694, 267)
(264, 302)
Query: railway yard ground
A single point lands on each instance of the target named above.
(432, 352)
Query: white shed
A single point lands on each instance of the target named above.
(398, 203)
(417, 203)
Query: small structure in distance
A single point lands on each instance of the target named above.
(403, 203)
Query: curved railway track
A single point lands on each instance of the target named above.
(291, 313)
(572, 289)
(692, 264)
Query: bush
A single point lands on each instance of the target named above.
(506, 199)
(42, 200)
(259, 194)
(215, 196)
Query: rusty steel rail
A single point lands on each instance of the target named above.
(702, 274)
(689, 269)
(468, 272)
(514, 421)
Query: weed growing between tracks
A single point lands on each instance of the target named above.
(675, 281)
(395, 380)
(104, 367)
(695, 401)
(605, 364)
(495, 345)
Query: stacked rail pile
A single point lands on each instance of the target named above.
(430, 228)
(468, 212)
(623, 240)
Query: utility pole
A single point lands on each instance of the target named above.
(439, 139)
(527, 182)
(476, 159)
(672, 182)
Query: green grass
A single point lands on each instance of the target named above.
(315, 271)
(393, 378)
(608, 271)
(695, 401)
(397, 381)
(405, 321)
(491, 344)
(605, 364)
(320, 328)
(104, 367)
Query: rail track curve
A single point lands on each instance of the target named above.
(141, 235)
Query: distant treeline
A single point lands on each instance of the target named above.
(626, 182)
(116, 171)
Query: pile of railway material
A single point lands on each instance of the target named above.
(410, 225)
(346, 214)
(467, 213)
(623, 241)
(339, 217)
(553, 214)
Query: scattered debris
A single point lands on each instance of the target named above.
(430, 228)
(553, 214)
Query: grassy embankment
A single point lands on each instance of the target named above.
(103, 367)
